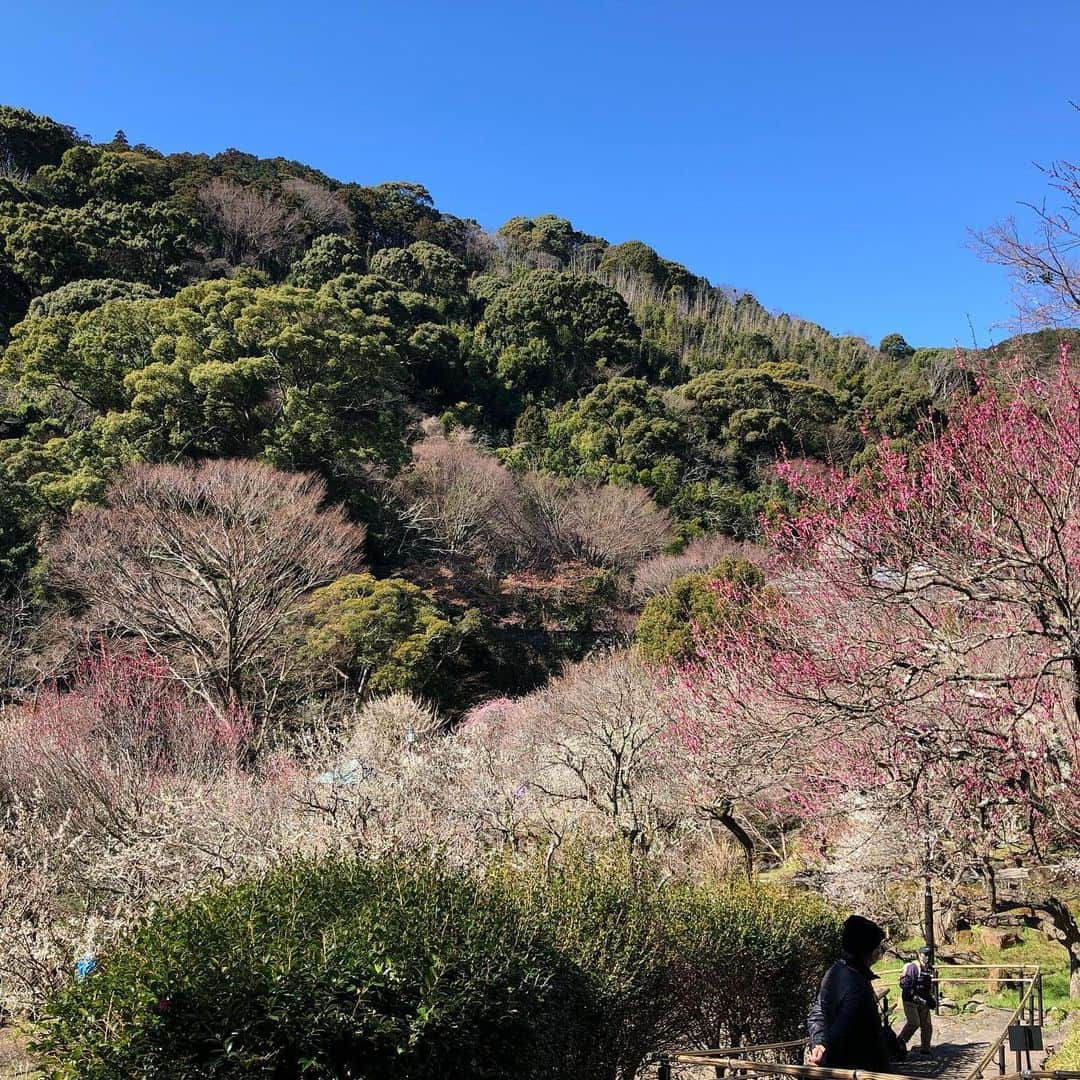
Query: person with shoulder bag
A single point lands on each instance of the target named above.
(918, 998)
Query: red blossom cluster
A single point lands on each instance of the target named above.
(125, 715)
(922, 656)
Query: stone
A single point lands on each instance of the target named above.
(993, 938)
(1002, 978)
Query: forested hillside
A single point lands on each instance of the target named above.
(516, 419)
(332, 524)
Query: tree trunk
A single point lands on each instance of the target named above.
(1053, 917)
(722, 813)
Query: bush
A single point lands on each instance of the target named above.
(695, 606)
(609, 915)
(392, 969)
(750, 961)
(1068, 1055)
(679, 963)
(389, 635)
(345, 968)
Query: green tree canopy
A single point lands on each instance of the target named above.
(329, 257)
(622, 431)
(427, 269)
(28, 141)
(227, 368)
(746, 412)
(393, 214)
(16, 526)
(549, 336)
(85, 295)
(641, 263)
(96, 173)
(895, 346)
(50, 246)
(388, 635)
(546, 240)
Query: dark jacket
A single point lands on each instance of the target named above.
(917, 984)
(846, 1021)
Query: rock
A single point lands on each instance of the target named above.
(948, 955)
(973, 1006)
(1002, 978)
(998, 939)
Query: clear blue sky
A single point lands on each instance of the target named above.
(828, 156)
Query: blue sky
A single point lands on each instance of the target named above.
(830, 157)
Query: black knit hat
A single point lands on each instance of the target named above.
(860, 936)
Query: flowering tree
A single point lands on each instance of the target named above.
(922, 664)
(210, 567)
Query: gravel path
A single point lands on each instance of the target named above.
(961, 1041)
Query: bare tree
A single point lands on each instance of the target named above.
(17, 625)
(598, 746)
(254, 227)
(319, 205)
(456, 497)
(655, 575)
(465, 503)
(615, 526)
(1043, 261)
(603, 525)
(209, 566)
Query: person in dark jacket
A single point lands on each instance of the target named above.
(917, 994)
(845, 1026)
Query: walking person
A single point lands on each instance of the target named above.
(917, 995)
(845, 1026)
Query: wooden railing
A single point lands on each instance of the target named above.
(736, 1060)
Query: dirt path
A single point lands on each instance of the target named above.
(960, 1042)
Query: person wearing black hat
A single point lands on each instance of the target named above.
(917, 996)
(845, 1027)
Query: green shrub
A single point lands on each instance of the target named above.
(749, 961)
(390, 969)
(608, 914)
(693, 607)
(679, 964)
(389, 635)
(377, 969)
(1068, 1055)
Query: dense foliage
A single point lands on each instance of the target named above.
(696, 606)
(172, 308)
(386, 635)
(409, 969)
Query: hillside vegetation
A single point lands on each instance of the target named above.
(498, 411)
(334, 527)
